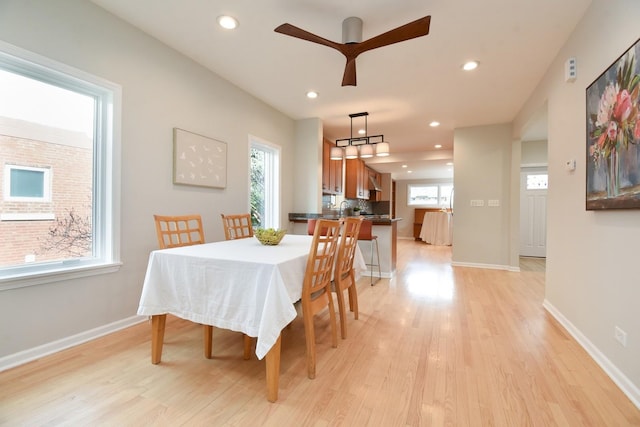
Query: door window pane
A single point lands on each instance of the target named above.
(537, 181)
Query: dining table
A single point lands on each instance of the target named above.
(240, 285)
(437, 228)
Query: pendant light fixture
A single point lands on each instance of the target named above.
(360, 146)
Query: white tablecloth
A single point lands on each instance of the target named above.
(239, 285)
(437, 228)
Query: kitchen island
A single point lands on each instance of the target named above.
(384, 227)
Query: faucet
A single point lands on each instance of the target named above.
(340, 209)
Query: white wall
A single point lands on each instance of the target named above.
(592, 279)
(534, 153)
(483, 159)
(307, 185)
(161, 89)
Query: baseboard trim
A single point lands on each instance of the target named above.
(627, 387)
(488, 266)
(22, 357)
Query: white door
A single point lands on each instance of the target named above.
(533, 212)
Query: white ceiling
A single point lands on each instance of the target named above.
(403, 86)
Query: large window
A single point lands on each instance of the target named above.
(265, 183)
(57, 143)
(436, 195)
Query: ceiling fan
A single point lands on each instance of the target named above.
(352, 44)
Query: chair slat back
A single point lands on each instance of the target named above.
(347, 248)
(320, 262)
(237, 226)
(182, 230)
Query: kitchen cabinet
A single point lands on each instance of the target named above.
(331, 171)
(356, 184)
(374, 195)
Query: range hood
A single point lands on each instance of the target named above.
(374, 185)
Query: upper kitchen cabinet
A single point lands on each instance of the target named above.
(331, 171)
(373, 181)
(356, 184)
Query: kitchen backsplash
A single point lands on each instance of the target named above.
(375, 208)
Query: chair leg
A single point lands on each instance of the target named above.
(332, 318)
(342, 310)
(310, 340)
(353, 296)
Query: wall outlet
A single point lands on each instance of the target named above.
(620, 335)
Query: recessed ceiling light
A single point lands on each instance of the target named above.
(438, 146)
(362, 131)
(227, 22)
(434, 124)
(471, 65)
(312, 94)
(449, 164)
(409, 171)
(404, 166)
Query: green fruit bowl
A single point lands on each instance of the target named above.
(269, 236)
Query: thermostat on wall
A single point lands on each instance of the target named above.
(570, 165)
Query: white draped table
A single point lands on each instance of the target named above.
(437, 228)
(239, 285)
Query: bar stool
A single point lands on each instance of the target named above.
(365, 234)
(311, 227)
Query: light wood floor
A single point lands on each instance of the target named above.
(435, 346)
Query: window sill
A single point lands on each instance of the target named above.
(67, 273)
(27, 217)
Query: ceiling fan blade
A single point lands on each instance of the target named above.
(417, 28)
(349, 76)
(293, 31)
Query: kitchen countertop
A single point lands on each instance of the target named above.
(376, 219)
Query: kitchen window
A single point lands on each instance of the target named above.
(58, 152)
(434, 195)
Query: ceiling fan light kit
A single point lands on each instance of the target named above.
(352, 44)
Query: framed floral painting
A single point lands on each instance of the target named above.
(613, 135)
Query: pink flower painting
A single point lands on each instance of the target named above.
(613, 135)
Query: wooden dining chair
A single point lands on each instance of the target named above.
(316, 287)
(344, 277)
(182, 230)
(237, 226)
(186, 230)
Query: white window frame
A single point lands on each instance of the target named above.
(106, 196)
(272, 180)
(439, 203)
(46, 184)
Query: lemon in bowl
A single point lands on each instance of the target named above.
(269, 236)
